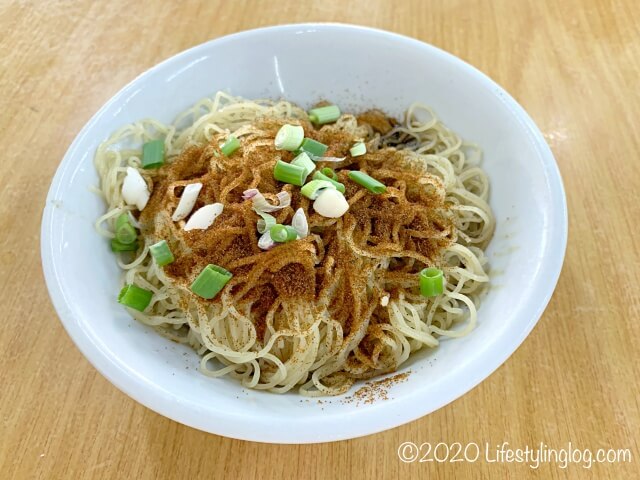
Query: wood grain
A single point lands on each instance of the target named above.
(574, 65)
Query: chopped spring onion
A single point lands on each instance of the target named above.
(330, 159)
(331, 203)
(210, 281)
(261, 204)
(187, 201)
(283, 233)
(300, 224)
(153, 154)
(117, 246)
(367, 182)
(125, 233)
(322, 115)
(288, 173)
(313, 189)
(303, 160)
(161, 253)
(329, 172)
(135, 297)
(431, 282)
(121, 221)
(321, 176)
(231, 145)
(358, 149)
(266, 222)
(314, 148)
(249, 194)
(289, 137)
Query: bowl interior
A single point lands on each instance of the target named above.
(357, 68)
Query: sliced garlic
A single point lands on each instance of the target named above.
(384, 301)
(204, 217)
(187, 201)
(299, 222)
(134, 189)
(331, 203)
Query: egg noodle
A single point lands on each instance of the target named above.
(362, 314)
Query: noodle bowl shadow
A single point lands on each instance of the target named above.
(280, 62)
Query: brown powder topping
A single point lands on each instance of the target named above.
(263, 298)
(192, 163)
(334, 265)
(295, 281)
(378, 121)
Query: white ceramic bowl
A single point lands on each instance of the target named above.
(356, 68)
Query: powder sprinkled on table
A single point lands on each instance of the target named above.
(378, 390)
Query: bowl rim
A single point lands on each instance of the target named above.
(219, 423)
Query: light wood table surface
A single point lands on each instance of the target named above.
(574, 65)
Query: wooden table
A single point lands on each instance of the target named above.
(574, 65)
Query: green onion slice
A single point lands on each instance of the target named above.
(314, 148)
(431, 282)
(331, 159)
(117, 246)
(125, 232)
(283, 233)
(261, 204)
(211, 280)
(135, 297)
(289, 137)
(303, 160)
(231, 145)
(161, 253)
(321, 176)
(288, 173)
(358, 149)
(329, 172)
(122, 221)
(367, 182)
(153, 154)
(266, 222)
(322, 115)
(314, 188)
